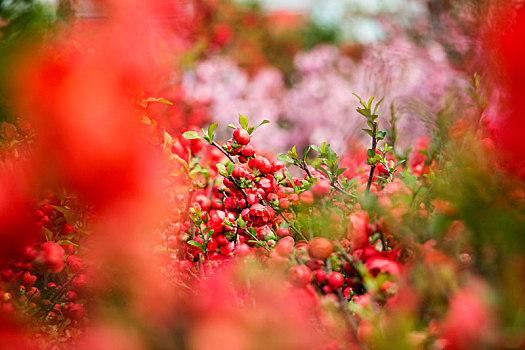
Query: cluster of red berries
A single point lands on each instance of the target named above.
(47, 282)
(249, 205)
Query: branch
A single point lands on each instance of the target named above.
(373, 167)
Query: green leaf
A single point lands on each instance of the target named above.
(262, 123)
(326, 172)
(306, 153)
(370, 102)
(351, 182)
(315, 148)
(356, 95)
(285, 158)
(211, 129)
(191, 135)
(340, 171)
(288, 176)
(161, 100)
(209, 233)
(377, 104)
(49, 235)
(241, 222)
(222, 169)
(363, 112)
(253, 128)
(369, 132)
(294, 153)
(69, 214)
(66, 242)
(196, 244)
(232, 126)
(206, 136)
(230, 168)
(243, 121)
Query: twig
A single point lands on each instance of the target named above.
(343, 305)
(293, 227)
(59, 294)
(216, 145)
(373, 167)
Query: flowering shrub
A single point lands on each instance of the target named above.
(119, 231)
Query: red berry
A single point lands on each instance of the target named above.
(283, 232)
(203, 201)
(271, 197)
(47, 209)
(300, 275)
(294, 198)
(335, 280)
(327, 289)
(238, 171)
(242, 250)
(248, 151)
(320, 248)
(71, 295)
(230, 203)
(277, 165)
(284, 203)
(262, 163)
(221, 240)
(212, 245)
(321, 188)
(320, 275)
(28, 279)
(73, 311)
(285, 246)
(185, 265)
(241, 136)
(307, 198)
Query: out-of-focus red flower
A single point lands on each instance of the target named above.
(222, 34)
(285, 20)
(16, 228)
(468, 321)
(505, 46)
(378, 264)
(87, 136)
(51, 256)
(12, 335)
(358, 229)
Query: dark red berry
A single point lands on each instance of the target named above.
(241, 136)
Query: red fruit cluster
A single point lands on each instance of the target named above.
(256, 213)
(47, 281)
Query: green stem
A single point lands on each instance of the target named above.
(373, 167)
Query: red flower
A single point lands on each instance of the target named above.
(258, 214)
(52, 256)
(75, 263)
(468, 321)
(378, 264)
(74, 311)
(358, 229)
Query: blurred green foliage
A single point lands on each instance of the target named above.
(24, 26)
